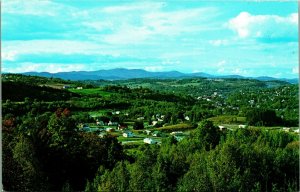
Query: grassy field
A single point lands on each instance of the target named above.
(228, 119)
(97, 113)
(90, 92)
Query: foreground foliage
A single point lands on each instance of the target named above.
(243, 160)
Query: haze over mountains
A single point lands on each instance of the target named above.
(122, 74)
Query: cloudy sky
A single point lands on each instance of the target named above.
(250, 38)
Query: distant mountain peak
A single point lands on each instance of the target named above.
(123, 73)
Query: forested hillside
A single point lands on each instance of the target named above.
(149, 135)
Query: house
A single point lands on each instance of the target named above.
(154, 123)
(116, 112)
(66, 86)
(101, 135)
(222, 128)
(109, 129)
(79, 88)
(242, 126)
(122, 126)
(128, 134)
(149, 141)
(296, 130)
(147, 132)
(177, 133)
(286, 129)
(187, 118)
(156, 134)
(112, 123)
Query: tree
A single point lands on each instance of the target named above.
(208, 134)
(138, 125)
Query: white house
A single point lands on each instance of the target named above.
(187, 118)
(296, 130)
(149, 141)
(79, 87)
(112, 123)
(109, 129)
(101, 135)
(242, 126)
(177, 133)
(147, 132)
(286, 129)
(154, 123)
(222, 128)
(128, 134)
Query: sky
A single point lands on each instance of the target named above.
(249, 38)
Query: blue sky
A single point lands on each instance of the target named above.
(249, 38)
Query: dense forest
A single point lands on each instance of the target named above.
(238, 135)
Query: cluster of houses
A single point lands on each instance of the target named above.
(70, 86)
(288, 129)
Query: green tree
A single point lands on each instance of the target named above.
(138, 125)
(208, 134)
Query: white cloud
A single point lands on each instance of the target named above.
(42, 67)
(176, 22)
(221, 63)
(153, 68)
(128, 34)
(149, 23)
(219, 42)
(8, 56)
(264, 26)
(11, 49)
(144, 6)
(239, 71)
(295, 70)
(34, 7)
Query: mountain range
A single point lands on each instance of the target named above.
(123, 74)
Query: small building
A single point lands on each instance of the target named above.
(66, 86)
(122, 127)
(242, 126)
(109, 129)
(154, 123)
(296, 130)
(101, 135)
(112, 123)
(222, 128)
(187, 118)
(147, 132)
(79, 88)
(128, 134)
(177, 133)
(149, 141)
(286, 129)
